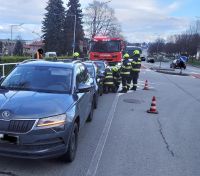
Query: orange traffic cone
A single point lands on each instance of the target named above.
(146, 87)
(153, 109)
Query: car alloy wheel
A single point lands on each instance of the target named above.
(72, 146)
(90, 117)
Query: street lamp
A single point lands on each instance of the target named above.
(36, 33)
(12, 26)
(157, 47)
(103, 3)
(11, 34)
(198, 23)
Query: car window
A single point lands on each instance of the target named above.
(39, 78)
(100, 66)
(91, 70)
(82, 75)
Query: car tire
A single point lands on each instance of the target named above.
(72, 146)
(95, 102)
(90, 117)
(100, 90)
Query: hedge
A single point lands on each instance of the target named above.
(17, 59)
(194, 62)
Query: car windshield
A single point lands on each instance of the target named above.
(39, 78)
(105, 47)
(91, 70)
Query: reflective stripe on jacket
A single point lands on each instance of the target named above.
(136, 65)
(109, 80)
(126, 68)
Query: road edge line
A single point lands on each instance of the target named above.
(94, 164)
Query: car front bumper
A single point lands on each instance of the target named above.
(37, 144)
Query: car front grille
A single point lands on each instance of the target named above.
(20, 126)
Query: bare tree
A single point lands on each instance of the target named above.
(100, 20)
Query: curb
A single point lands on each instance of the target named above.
(172, 73)
(162, 69)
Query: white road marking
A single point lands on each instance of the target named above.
(92, 170)
(196, 73)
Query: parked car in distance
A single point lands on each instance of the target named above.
(176, 64)
(50, 55)
(150, 60)
(43, 106)
(143, 58)
(101, 66)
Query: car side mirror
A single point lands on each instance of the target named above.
(84, 88)
(100, 74)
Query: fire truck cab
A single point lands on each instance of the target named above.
(106, 49)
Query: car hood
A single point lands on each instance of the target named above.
(33, 105)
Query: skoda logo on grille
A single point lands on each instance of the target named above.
(6, 115)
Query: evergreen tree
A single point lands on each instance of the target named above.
(1, 47)
(74, 8)
(18, 50)
(53, 26)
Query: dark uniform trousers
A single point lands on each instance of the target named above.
(136, 65)
(117, 79)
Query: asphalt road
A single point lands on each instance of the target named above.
(123, 140)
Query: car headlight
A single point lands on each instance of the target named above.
(53, 121)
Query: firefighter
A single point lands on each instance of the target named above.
(39, 54)
(108, 83)
(125, 73)
(136, 65)
(76, 55)
(117, 77)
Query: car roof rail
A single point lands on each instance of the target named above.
(69, 61)
(30, 60)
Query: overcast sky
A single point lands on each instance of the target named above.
(141, 20)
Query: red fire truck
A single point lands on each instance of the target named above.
(106, 48)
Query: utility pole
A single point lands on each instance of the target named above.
(74, 42)
(74, 37)
(11, 35)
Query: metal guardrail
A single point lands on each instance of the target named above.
(6, 64)
(25, 61)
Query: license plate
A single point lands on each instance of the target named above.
(9, 139)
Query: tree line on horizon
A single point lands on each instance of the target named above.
(187, 42)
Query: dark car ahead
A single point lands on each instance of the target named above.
(176, 64)
(101, 66)
(150, 60)
(43, 106)
(92, 69)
